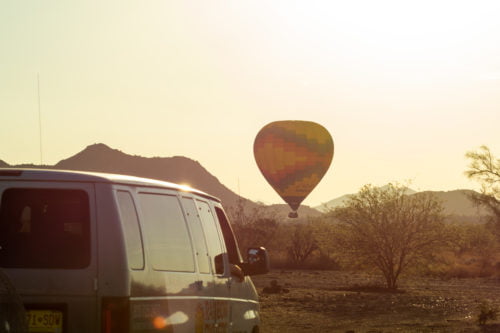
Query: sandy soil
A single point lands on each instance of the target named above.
(328, 301)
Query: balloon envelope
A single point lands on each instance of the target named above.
(293, 156)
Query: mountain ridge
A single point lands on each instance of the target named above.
(177, 169)
(99, 157)
(339, 201)
(457, 205)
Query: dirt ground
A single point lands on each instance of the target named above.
(329, 301)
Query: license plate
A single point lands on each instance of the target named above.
(44, 321)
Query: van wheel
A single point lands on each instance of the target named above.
(12, 312)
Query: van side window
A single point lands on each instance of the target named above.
(131, 229)
(227, 232)
(44, 228)
(168, 239)
(208, 222)
(198, 237)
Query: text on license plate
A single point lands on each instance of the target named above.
(44, 321)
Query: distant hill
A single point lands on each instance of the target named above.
(182, 170)
(303, 211)
(178, 169)
(334, 203)
(456, 204)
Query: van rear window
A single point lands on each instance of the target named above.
(44, 228)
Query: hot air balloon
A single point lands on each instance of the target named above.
(293, 156)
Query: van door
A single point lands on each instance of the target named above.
(48, 250)
(221, 281)
(244, 307)
(205, 267)
(170, 261)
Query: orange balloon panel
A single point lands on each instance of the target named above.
(293, 156)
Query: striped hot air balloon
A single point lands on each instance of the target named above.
(293, 156)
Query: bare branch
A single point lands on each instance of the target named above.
(388, 229)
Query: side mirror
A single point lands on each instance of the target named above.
(219, 264)
(257, 261)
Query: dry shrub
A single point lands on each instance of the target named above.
(463, 271)
(463, 266)
(317, 261)
(487, 311)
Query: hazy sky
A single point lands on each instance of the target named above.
(404, 87)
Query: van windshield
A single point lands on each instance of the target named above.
(44, 228)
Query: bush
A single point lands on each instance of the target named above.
(487, 311)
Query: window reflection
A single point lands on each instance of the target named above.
(169, 243)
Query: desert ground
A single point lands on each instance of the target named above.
(331, 301)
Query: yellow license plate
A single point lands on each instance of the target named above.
(44, 321)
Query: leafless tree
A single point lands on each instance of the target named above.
(485, 168)
(390, 230)
(253, 226)
(302, 244)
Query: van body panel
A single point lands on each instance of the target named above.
(71, 291)
(157, 252)
(111, 258)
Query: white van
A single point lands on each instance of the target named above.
(92, 252)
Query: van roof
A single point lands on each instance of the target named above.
(28, 174)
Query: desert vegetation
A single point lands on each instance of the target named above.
(394, 248)
(384, 254)
(385, 230)
(485, 168)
